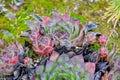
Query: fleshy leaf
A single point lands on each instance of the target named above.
(33, 25)
(43, 76)
(63, 58)
(49, 66)
(90, 67)
(92, 25)
(78, 60)
(54, 56)
(38, 18)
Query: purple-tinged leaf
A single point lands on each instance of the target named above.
(69, 64)
(11, 16)
(7, 34)
(65, 17)
(2, 43)
(43, 76)
(33, 25)
(92, 25)
(63, 58)
(78, 60)
(90, 67)
(18, 2)
(38, 18)
(54, 56)
(49, 66)
(39, 69)
(25, 34)
(71, 54)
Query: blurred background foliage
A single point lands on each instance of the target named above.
(85, 10)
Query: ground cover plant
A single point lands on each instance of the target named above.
(56, 46)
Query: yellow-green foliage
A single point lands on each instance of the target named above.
(113, 12)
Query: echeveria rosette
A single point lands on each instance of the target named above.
(42, 45)
(103, 54)
(62, 26)
(103, 40)
(8, 58)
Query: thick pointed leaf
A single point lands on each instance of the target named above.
(49, 66)
(68, 64)
(43, 76)
(32, 25)
(92, 25)
(25, 34)
(90, 67)
(63, 58)
(38, 18)
(54, 56)
(10, 16)
(2, 43)
(39, 69)
(78, 60)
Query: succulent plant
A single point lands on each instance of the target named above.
(65, 68)
(91, 38)
(42, 44)
(61, 26)
(16, 4)
(52, 39)
(103, 54)
(8, 57)
(14, 64)
(102, 40)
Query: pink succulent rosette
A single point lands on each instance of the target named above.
(103, 40)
